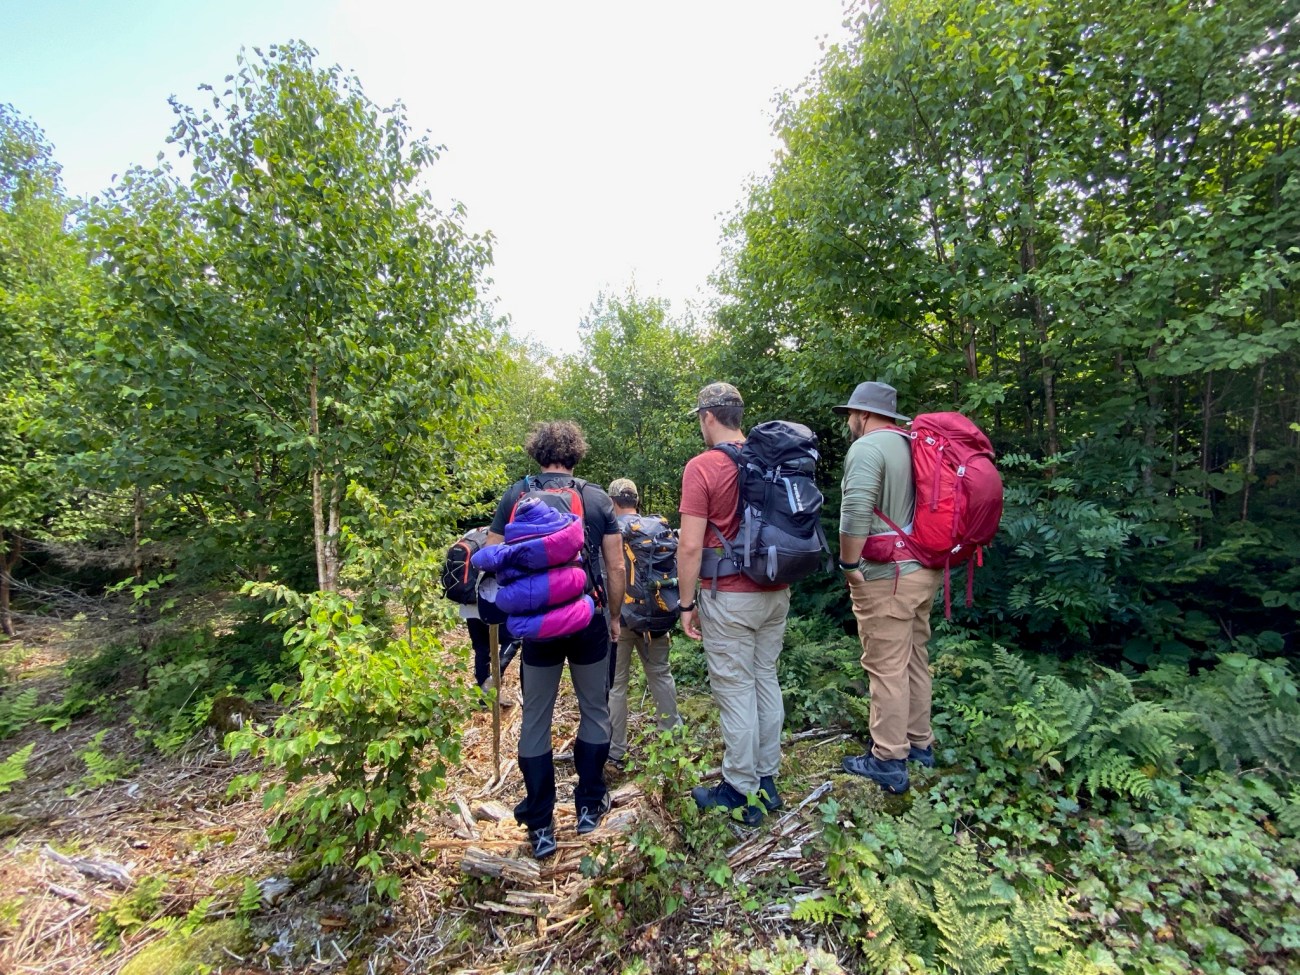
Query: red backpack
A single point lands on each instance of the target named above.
(958, 501)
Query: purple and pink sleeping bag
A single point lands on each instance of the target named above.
(540, 580)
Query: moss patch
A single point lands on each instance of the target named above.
(191, 954)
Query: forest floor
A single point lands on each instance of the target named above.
(159, 871)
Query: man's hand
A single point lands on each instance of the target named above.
(691, 623)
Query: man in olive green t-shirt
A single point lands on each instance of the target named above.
(891, 600)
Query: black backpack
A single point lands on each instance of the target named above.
(650, 556)
(459, 578)
(781, 538)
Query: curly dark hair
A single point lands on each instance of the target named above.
(558, 442)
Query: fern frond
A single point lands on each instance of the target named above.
(17, 711)
(1286, 810)
(970, 940)
(820, 908)
(1072, 712)
(882, 950)
(1039, 940)
(1274, 739)
(1010, 672)
(1116, 773)
(14, 768)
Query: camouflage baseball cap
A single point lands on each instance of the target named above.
(623, 490)
(717, 394)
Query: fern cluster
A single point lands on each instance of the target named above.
(14, 768)
(101, 769)
(822, 680)
(1243, 714)
(912, 898)
(1095, 738)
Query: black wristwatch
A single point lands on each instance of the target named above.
(686, 607)
(850, 566)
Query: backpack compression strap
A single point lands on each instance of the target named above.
(595, 558)
(724, 563)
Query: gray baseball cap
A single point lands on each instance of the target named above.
(879, 398)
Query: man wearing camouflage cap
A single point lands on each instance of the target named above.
(741, 622)
(652, 647)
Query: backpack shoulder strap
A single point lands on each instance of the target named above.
(730, 449)
(891, 429)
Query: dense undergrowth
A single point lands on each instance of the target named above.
(1081, 818)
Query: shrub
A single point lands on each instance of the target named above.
(370, 731)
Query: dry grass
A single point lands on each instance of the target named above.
(171, 819)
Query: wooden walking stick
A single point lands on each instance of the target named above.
(494, 648)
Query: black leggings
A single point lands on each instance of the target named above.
(478, 638)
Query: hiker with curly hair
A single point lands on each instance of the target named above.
(558, 447)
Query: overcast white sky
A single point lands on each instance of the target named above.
(600, 142)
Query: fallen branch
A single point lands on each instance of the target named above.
(67, 893)
(830, 733)
(481, 863)
(497, 783)
(102, 870)
(492, 811)
(741, 852)
(466, 829)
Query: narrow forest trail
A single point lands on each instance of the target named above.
(130, 862)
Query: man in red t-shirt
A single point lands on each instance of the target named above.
(741, 622)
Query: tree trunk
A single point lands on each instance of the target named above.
(1029, 264)
(137, 533)
(1250, 445)
(8, 559)
(1207, 405)
(1177, 434)
(332, 565)
(317, 499)
(1150, 427)
(972, 359)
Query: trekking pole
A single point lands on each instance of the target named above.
(494, 648)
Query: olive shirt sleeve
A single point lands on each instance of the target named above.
(864, 471)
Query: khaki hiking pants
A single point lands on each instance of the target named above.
(894, 626)
(742, 640)
(653, 651)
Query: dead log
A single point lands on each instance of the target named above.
(104, 871)
(492, 811)
(481, 863)
(273, 889)
(625, 793)
(746, 852)
(67, 893)
(466, 829)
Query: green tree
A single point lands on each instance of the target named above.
(294, 316)
(43, 282)
(630, 389)
(1077, 221)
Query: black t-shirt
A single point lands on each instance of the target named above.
(597, 509)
